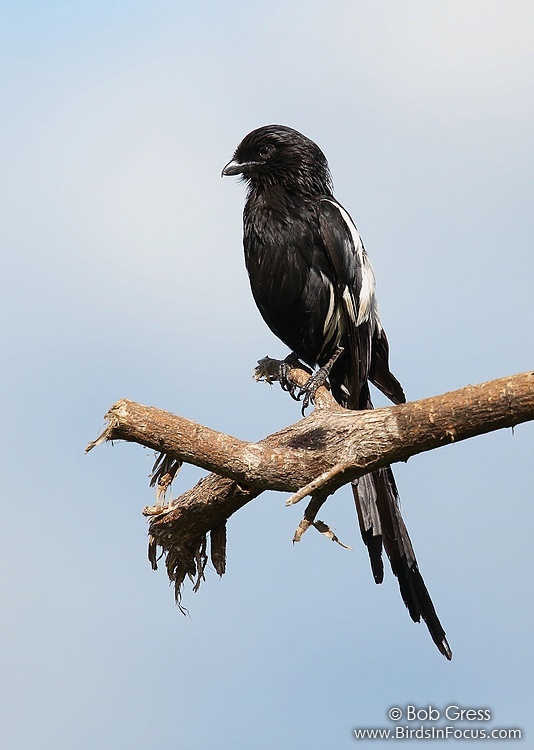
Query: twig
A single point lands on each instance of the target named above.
(319, 482)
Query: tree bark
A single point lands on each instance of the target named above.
(316, 455)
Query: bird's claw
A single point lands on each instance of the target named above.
(284, 378)
(270, 370)
(308, 391)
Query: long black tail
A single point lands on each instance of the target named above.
(382, 526)
(376, 495)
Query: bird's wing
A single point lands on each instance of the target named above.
(355, 280)
(347, 254)
(355, 283)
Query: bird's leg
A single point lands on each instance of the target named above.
(308, 391)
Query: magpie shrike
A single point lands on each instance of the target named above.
(315, 288)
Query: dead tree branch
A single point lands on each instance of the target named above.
(316, 455)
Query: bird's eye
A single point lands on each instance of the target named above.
(266, 151)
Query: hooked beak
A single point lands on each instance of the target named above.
(236, 167)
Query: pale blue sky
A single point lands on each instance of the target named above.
(122, 276)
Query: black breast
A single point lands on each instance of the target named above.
(288, 270)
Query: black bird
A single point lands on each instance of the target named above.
(315, 288)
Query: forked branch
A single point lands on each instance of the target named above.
(316, 455)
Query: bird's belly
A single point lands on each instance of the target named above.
(298, 303)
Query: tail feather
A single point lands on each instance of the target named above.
(382, 526)
(370, 524)
(377, 499)
(379, 372)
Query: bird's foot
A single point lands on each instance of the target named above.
(308, 391)
(270, 370)
(284, 375)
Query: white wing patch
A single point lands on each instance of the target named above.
(332, 320)
(348, 300)
(367, 306)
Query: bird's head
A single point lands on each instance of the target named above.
(280, 156)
